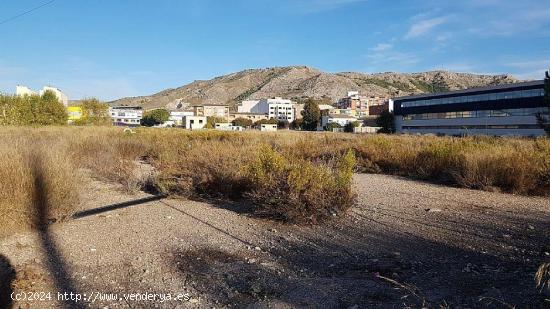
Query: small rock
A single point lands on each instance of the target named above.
(258, 249)
(251, 261)
(531, 227)
(93, 249)
(433, 210)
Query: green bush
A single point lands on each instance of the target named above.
(297, 190)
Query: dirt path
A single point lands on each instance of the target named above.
(442, 245)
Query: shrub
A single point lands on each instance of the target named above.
(351, 125)
(331, 126)
(296, 190)
(243, 122)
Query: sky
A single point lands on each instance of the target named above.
(112, 49)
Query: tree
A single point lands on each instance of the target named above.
(155, 117)
(331, 126)
(212, 120)
(242, 122)
(386, 121)
(311, 115)
(283, 124)
(296, 124)
(351, 125)
(94, 113)
(48, 110)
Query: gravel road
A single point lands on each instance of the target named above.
(405, 243)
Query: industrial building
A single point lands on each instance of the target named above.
(500, 110)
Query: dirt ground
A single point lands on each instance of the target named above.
(405, 244)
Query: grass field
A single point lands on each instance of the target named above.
(292, 176)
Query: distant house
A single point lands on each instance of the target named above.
(342, 120)
(212, 111)
(268, 127)
(227, 126)
(252, 116)
(75, 113)
(194, 122)
(176, 117)
(126, 115)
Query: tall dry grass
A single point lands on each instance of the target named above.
(218, 164)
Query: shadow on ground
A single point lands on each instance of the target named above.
(346, 263)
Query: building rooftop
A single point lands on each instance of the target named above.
(474, 90)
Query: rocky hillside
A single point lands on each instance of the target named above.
(301, 81)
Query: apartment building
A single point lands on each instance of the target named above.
(342, 120)
(277, 108)
(24, 90)
(212, 111)
(176, 117)
(252, 116)
(126, 115)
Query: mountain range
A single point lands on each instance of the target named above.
(298, 82)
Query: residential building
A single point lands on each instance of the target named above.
(496, 110)
(227, 126)
(339, 111)
(212, 111)
(23, 90)
(277, 108)
(194, 122)
(375, 110)
(268, 127)
(75, 113)
(342, 120)
(251, 116)
(126, 115)
(60, 95)
(176, 117)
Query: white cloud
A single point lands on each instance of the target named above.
(424, 26)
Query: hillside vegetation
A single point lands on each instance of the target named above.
(299, 82)
(289, 176)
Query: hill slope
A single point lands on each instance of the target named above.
(301, 81)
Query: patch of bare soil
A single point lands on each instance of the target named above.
(405, 244)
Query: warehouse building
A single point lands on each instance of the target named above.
(509, 109)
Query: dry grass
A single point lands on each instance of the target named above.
(219, 164)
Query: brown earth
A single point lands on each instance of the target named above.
(405, 243)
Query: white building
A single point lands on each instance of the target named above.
(176, 117)
(126, 115)
(60, 95)
(268, 127)
(23, 91)
(342, 120)
(194, 122)
(277, 108)
(227, 126)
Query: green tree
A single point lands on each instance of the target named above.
(212, 120)
(47, 110)
(283, 124)
(351, 125)
(155, 117)
(94, 112)
(386, 121)
(311, 115)
(296, 124)
(243, 122)
(331, 126)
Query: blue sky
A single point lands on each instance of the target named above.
(110, 49)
